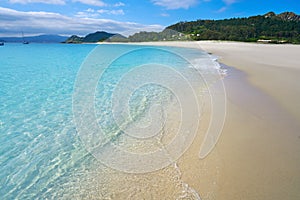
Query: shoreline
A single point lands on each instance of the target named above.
(271, 68)
(263, 59)
(256, 156)
(260, 139)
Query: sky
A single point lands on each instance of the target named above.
(80, 17)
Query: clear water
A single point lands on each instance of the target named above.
(39, 146)
(41, 155)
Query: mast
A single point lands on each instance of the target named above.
(24, 42)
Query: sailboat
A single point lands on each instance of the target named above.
(24, 42)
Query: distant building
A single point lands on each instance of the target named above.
(272, 41)
(264, 41)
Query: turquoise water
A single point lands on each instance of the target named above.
(40, 150)
(39, 146)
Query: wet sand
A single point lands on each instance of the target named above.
(257, 156)
(272, 68)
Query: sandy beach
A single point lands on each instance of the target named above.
(150, 100)
(260, 143)
(257, 155)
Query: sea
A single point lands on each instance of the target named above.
(94, 121)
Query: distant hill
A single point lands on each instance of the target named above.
(74, 39)
(143, 36)
(36, 39)
(286, 16)
(98, 36)
(165, 35)
(276, 28)
(270, 27)
(117, 38)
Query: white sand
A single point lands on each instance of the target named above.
(273, 68)
(257, 156)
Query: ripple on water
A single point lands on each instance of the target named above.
(41, 155)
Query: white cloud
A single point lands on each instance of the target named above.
(175, 4)
(13, 22)
(91, 13)
(228, 3)
(88, 13)
(224, 8)
(58, 2)
(117, 12)
(111, 12)
(92, 2)
(119, 4)
(90, 10)
(164, 15)
(98, 3)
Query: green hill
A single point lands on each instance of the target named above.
(74, 39)
(270, 27)
(98, 36)
(165, 35)
(284, 27)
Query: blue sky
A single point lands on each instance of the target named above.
(80, 17)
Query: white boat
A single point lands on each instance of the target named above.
(24, 42)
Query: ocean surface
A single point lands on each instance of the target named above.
(47, 148)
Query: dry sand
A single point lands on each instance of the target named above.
(273, 68)
(258, 154)
(260, 145)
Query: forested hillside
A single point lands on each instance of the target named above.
(284, 27)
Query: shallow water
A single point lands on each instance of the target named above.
(41, 153)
